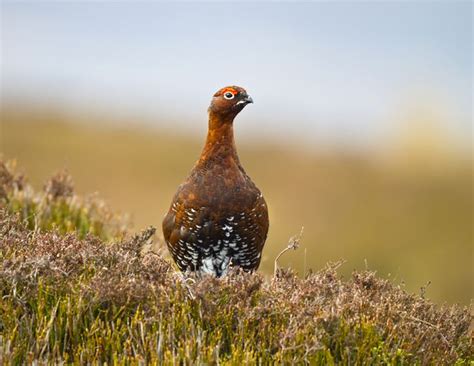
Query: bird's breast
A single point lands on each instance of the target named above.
(220, 187)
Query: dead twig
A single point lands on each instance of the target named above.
(432, 326)
(293, 243)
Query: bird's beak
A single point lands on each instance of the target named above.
(248, 99)
(245, 100)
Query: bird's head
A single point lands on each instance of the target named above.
(229, 101)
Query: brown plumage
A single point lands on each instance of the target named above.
(218, 217)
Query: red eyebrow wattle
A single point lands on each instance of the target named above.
(232, 90)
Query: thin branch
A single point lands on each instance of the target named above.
(432, 326)
(293, 243)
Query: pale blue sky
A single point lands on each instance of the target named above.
(325, 72)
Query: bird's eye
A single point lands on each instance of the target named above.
(229, 95)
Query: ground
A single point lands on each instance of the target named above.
(78, 288)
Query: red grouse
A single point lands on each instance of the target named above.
(218, 217)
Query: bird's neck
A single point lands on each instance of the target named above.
(220, 144)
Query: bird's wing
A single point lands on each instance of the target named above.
(188, 231)
(247, 231)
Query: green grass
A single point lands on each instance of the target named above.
(77, 290)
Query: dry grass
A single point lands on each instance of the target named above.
(69, 296)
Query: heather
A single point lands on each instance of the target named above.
(78, 287)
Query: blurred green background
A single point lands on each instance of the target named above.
(361, 130)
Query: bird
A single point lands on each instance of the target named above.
(218, 218)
